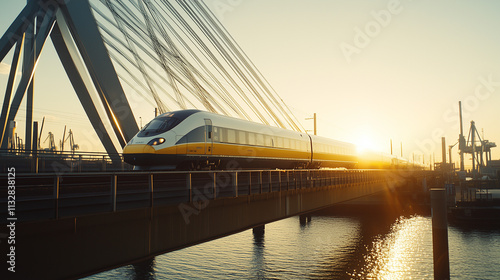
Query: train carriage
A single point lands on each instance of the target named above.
(194, 139)
(332, 153)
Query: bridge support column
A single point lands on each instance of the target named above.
(258, 234)
(34, 148)
(144, 269)
(258, 231)
(305, 219)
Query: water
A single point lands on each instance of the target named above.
(328, 247)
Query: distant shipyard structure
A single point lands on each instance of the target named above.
(479, 149)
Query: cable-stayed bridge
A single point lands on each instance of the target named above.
(174, 55)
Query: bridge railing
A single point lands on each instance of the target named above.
(59, 162)
(52, 196)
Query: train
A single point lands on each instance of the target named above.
(200, 140)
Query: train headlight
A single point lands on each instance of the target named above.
(156, 141)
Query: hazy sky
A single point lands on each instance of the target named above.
(371, 70)
(379, 70)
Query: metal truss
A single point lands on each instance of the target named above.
(79, 45)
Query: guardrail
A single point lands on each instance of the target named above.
(58, 162)
(52, 196)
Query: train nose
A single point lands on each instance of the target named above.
(138, 154)
(139, 149)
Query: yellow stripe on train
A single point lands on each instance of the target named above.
(138, 149)
(233, 150)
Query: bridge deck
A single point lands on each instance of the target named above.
(78, 224)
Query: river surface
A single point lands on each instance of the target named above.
(328, 247)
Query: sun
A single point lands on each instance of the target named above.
(363, 138)
(364, 144)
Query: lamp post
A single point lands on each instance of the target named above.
(313, 118)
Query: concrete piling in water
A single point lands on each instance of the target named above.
(259, 230)
(258, 235)
(304, 219)
(440, 234)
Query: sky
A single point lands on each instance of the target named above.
(372, 71)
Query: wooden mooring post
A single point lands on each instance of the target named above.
(440, 234)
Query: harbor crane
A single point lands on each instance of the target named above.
(52, 143)
(72, 144)
(479, 148)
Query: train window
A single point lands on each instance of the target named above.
(195, 135)
(223, 135)
(251, 138)
(260, 139)
(242, 137)
(292, 144)
(279, 142)
(286, 143)
(216, 134)
(268, 141)
(303, 145)
(158, 125)
(231, 136)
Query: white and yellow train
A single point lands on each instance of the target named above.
(193, 139)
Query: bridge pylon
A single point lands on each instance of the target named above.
(75, 35)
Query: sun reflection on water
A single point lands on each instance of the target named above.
(401, 254)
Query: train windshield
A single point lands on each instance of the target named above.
(159, 125)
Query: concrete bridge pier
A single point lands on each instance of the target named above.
(258, 234)
(259, 230)
(304, 219)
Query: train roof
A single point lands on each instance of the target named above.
(180, 114)
(235, 123)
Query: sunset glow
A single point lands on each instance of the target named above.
(372, 71)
